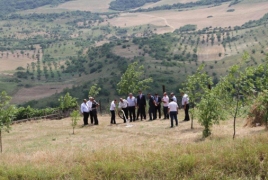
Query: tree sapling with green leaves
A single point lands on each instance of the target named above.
(94, 90)
(7, 114)
(75, 117)
(132, 81)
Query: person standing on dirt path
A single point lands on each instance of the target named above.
(85, 111)
(165, 101)
(89, 104)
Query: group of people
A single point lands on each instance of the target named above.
(89, 109)
(129, 106)
(170, 107)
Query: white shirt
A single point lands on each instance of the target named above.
(172, 106)
(174, 98)
(123, 104)
(89, 104)
(185, 99)
(131, 101)
(113, 106)
(84, 108)
(166, 99)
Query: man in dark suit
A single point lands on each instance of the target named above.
(141, 103)
(158, 101)
(151, 107)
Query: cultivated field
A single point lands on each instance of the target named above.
(82, 5)
(38, 92)
(175, 19)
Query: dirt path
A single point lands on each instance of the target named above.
(162, 18)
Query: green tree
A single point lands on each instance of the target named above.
(75, 117)
(7, 114)
(67, 102)
(94, 90)
(132, 81)
(195, 86)
(210, 111)
(236, 89)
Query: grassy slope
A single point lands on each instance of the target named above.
(148, 150)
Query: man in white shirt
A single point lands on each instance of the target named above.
(112, 109)
(131, 107)
(173, 111)
(185, 105)
(89, 104)
(173, 97)
(123, 105)
(165, 101)
(85, 111)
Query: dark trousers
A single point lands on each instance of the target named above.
(165, 109)
(91, 117)
(173, 115)
(132, 114)
(85, 119)
(94, 117)
(126, 114)
(113, 117)
(152, 113)
(158, 108)
(187, 118)
(141, 111)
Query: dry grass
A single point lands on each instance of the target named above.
(147, 150)
(176, 19)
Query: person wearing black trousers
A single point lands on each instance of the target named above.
(112, 109)
(85, 111)
(165, 101)
(151, 107)
(93, 113)
(185, 105)
(131, 100)
(157, 100)
(141, 103)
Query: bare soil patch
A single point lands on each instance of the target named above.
(12, 61)
(176, 19)
(86, 5)
(210, 53)
(165, 2)
(37, 92)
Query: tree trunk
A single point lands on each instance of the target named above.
(236, 109)
(73, 130)
(1, 140)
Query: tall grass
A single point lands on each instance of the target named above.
(211, 159)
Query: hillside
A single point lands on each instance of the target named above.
(145, 150)
(70, 49)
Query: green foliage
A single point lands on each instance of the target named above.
(8, 6)
(75, 117)
(94, 90)
(7, 113)
(121, 5)
(28, 112)
(67, 102)
(132, 81)
(187, 27)
(262, 105)
(195, 86)
(236, 88)
(210, 111)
